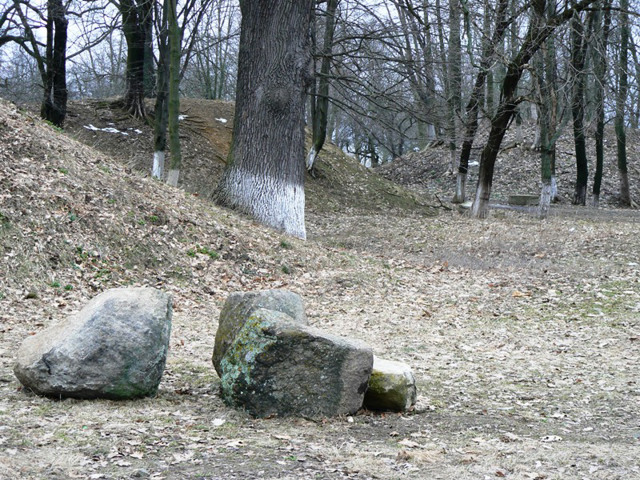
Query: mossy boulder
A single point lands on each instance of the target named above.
(115, 347)
(239, 307)
(279, 367)
(391, 387)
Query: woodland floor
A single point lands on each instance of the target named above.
(524, 335)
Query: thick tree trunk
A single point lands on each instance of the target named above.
(320, 112)
(54, 102)
(265, 172)
(135, 31)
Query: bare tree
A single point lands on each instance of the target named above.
(538, 31)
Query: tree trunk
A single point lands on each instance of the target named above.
(536, 34)
(621, 99)
(601, 34)
(578, 50)
(499, 125)
(454, 81)
(320, 105)
(264, 176)
(161, 110)
(54, 102)
(134, 29)
(471, 119)
(175, 41)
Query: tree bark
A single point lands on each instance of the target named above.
(578, 51)
(264, 176)
(621, 99)
(537, 33)
(454, 81)
(175, 42)
(471, 118)
(134, 18)
(161, 110)
(601, 34)
(54, 102)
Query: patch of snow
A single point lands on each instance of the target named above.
(182, 117)
(113, 130)
(474, 164)
(106, 129)
(221, 120)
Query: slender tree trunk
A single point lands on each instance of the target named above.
(543, 122)
(578, 51)
(621, 99)
(161, 110)
(601, 34)
(506, 110)
(489, 95)
(149, 74)
(175, 42)
(454, 80)
(264, 176)
(537, 33)
(320, 104)
(471, 118)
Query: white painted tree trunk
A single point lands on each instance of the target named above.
(554, 188)
(480, 207)
(545, 201)
(265, 173)
(158, 165)
(268, 199)
(311, 158)
(461, 185)
(431, 132)
(453, 161)
(173, 176)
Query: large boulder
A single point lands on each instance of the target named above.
(239, 307)
(277, 366)
(115, 347)
(391, 387)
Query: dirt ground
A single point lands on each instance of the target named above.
(523, 335)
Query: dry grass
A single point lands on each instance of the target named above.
(524, 335)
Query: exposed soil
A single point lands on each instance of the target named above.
(524, 335)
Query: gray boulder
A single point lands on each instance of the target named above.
(115, 347)
(277, 366)
(239, 307)
(391, 387)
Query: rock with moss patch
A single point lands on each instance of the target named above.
(115, 347)
(240, 305)
(279, 367)
(391, 387)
